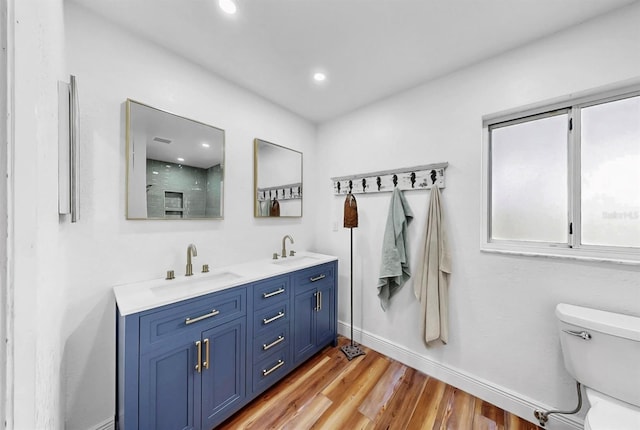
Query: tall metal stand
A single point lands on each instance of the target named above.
(352, 350)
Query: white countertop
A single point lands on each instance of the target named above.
(144, 295)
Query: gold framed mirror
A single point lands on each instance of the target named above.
(175, 166)
(277, 180)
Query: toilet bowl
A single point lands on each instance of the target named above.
(601, 350)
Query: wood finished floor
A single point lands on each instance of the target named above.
(370, 392)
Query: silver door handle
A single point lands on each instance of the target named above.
(265, 372)
(272, 344)
(273, 293)
(317, 278)
(213, 313)
(266, 321)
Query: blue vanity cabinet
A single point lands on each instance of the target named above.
(223, 376)
(192, 364)
(168, 387)
(271, 326)
(182, 366)
(178, 394)
(314, 310)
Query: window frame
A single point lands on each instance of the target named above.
(572, 248)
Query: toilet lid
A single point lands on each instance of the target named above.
(612, 416)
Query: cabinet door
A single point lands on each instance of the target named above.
(168, 387)
(223, 375)
(304, 325)
(325, 329)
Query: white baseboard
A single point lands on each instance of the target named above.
(109, 424)
(508, 400)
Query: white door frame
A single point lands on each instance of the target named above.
(7, 98)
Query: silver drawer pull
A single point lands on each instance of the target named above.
(583, 334)
(272, 319)
(272, 344)
(273, 293)
(213, 313)
(266, 372)
(317, 278)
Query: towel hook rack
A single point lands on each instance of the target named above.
(409, 178)
(280, 192)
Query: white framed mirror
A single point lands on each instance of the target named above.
(175, 166)
(277, 180)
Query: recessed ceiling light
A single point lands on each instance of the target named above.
(180, 159)
(228, 6)
(155, 173)
(319, 77)
(205, 145)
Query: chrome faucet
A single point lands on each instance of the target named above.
(191, 251)
(284, 247)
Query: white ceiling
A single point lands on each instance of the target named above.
(370, 49)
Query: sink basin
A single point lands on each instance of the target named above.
(295, 261)
(195, 283)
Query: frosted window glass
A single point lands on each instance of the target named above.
(610, 173)
(529, 181)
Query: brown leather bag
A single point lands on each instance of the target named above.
(275, 208)
(350, 211)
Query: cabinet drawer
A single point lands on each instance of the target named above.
(270, 370)
(314, 276)
(204, 312)
(270, 292)
(266, 319)
(271, 341)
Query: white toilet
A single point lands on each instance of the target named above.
(602, 351)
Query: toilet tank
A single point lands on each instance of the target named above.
(603, 352)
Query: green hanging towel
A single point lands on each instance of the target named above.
(394, 268)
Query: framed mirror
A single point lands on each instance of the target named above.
(277, 180)
(175, 166)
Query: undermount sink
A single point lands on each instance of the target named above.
(295, 261)
(195, 283)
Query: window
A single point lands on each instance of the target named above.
(564, 179)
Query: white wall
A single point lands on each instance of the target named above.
(64, 310)
(5, 24)
(38, 298)
(503, 330)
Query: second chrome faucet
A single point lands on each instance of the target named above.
(284, 245)
(191, 251)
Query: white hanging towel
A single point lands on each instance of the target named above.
(432, 288)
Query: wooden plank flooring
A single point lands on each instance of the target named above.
(371, 392)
